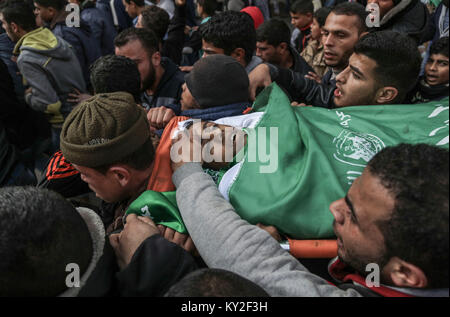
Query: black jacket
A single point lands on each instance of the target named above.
(410, 17)
(156, 265)
(169, 89)
(424, 93)
(301, 89)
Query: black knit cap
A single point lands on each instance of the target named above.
(218, 80)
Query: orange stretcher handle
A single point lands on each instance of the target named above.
(308, 249)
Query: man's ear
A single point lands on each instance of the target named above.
(156, 59)
(283, 46)
(404, 274)
(362, 34)
(121, 174)
(14, 27)
(239, 55)
(386, 95)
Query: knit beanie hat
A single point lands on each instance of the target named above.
(218, 80)
(104, 129)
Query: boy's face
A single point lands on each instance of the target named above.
(45, 14)
(130, 8)
(436, 70)
(316, 31)
(300, 20)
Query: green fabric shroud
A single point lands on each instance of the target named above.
(319, 154)
(160, 207)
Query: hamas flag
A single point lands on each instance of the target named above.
(319, 153)
(300, 159)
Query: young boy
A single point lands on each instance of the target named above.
(433, 85)
(314, 52)
(301, 18)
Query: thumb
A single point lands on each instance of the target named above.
(114, 240)
(147, 220)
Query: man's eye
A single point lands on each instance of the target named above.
(356, 75)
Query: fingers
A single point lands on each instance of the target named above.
(159, 117)
(114, 240)
(169, 234)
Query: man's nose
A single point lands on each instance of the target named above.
(342, 76)
(338, 209)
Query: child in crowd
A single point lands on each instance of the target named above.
(314, 51)
(301, 18)
(433, 85)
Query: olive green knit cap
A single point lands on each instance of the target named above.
(104, 129)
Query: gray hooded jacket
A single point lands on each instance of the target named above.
(50, 67)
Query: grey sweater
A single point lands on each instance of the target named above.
(226, 241)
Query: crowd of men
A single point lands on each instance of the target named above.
(91, 93)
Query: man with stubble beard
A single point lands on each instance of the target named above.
(344, 26)
(161, 79)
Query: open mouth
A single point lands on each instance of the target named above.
(337, 93)
(329, 55)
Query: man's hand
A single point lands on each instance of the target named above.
(271, 230)
(77, 96)
(136, 230)
(183, 240)
(296, 104)
(159, 117)
(183, 146)
(186, 69)
(180, 3)
(259, 77)
(314, 76)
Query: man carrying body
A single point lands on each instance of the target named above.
(382, 70)
(376, 223)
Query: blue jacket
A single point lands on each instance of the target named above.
(87, 49)
(119, 17)
(6, 49)
(102, 28)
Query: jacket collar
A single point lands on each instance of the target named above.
(342, 273)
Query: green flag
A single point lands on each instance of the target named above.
(319, 152)
(160, 207)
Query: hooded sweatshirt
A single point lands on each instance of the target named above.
(408, 16)
(50, 67)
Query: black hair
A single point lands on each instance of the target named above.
(40, 234)
(302, 7)
(112, 73)
(274, 31)
(139, 3)
(440, 46)
(209, 6)
(19, 12)
(156, 19)
(146, 37)
(418, 229)
(215, 283)
(353, 9)
(321, 15)
(397, 57)
(56, 4)
(230, 30)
